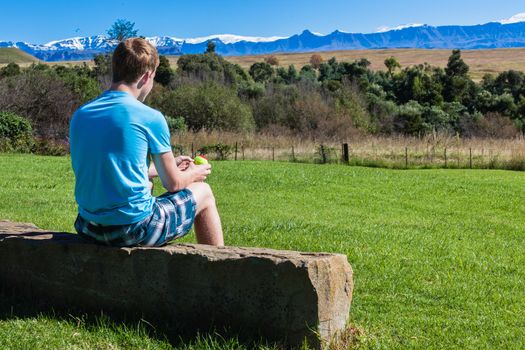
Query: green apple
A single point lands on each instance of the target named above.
(198, 160)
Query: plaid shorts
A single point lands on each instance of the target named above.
(172, 217)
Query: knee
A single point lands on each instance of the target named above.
(203, 194)
(208, 194)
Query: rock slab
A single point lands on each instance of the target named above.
(283, 296)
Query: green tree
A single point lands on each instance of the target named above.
(261, 72)
(456, 67)
(210, 46)
(210, 66)
(10, 70)
(164, 72)
(208, 106)
(391, 64)
(121, 30)
(15, 133)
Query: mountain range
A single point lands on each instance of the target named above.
(485, 36)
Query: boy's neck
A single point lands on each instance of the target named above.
(130, 89)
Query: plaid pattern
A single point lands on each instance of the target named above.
(172, 218)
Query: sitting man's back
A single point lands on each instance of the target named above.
(112, 139)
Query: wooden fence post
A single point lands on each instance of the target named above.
(293, 154)
(346, 156)
(323, 154)
(235, 150)
(273, 153)
(406, 157)
(470, 151)
(445, 157)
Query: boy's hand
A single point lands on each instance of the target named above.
(200, 172)
(183, 162)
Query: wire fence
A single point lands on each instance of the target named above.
(396, 156)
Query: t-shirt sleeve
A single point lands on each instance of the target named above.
(159, 135)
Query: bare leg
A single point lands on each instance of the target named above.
(207, 221)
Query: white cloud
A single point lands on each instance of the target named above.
(383, 29)
(520, 17)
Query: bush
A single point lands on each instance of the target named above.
(15, 133)
(208, 106)
(210, 66)
(221, 150)
(50, 147)
(43, 99)
(176, 125)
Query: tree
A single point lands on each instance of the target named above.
(10, 70)
(205, 106)
(261, 71)
(391, 64)
(272, 60)
(456, 67)
(121, 30)
(164, 72)
(210, 47)
(316, 60)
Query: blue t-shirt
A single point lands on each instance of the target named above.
(110, 138)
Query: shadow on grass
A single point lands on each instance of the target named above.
(14, 307)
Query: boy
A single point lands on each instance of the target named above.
(112, 139)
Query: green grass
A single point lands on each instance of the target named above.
(437, 254)
(8, 55)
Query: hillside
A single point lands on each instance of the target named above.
(8, 55)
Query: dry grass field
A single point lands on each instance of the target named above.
(430, 151)
(480, 61)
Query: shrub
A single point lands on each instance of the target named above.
(221, 150)
(208, 106)
(15, 133)
(210, 66)
(176, 124)
(42, 98)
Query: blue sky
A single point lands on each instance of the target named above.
(43, 21)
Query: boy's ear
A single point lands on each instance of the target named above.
(144, 79)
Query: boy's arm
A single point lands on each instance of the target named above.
(173, 179)
(182, 162)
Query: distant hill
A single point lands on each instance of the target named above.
(8, 55)
(474, 37)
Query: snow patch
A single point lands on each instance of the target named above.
(231, 39)
(520, 17)
(384, 29)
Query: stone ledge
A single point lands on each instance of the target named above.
(279, 295)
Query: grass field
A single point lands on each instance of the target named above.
(437, 254)
(8, 55)
(480, 61)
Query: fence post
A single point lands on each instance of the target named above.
(445, 157)
(406, 157)
(235, 150)
(273, 153)
(293, 154)
(470, 151)
(346, 156)
(242, 150)
(323, 155)
(192, 151)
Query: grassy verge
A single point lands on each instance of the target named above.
(437, 254)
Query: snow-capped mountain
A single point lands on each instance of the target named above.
(504, 34)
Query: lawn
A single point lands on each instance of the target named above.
(437, 254)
